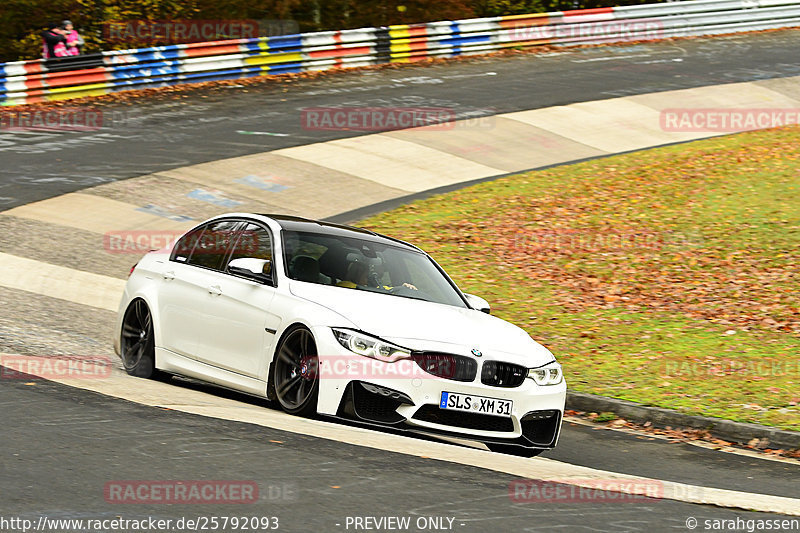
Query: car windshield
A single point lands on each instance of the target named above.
(358, 264)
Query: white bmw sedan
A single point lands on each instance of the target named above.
(338, 321)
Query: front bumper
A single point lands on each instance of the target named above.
(407, 397)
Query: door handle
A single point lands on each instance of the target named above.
(169, 275)
(215, 290)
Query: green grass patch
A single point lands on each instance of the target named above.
(667, 277)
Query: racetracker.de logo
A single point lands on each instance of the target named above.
(61, 119)
(595, 31)
(358, 367)
(178, 31)
(585, 490)
(595, 240)
(724, 120)
(140, 242)
(376, 118)
(181, 492)
(55, 367)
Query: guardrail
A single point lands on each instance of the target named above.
(26, 82)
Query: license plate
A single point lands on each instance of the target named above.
(476, 404)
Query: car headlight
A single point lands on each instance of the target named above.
(549, 374)
(370, 346)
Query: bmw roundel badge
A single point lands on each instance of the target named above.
(476, 352)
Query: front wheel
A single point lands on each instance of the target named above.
(295, 375)
(138, 345)
(519, 451)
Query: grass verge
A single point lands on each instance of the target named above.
(667, 277)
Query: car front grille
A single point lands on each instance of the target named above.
(500, 374)
(446, 365)
(460, 419)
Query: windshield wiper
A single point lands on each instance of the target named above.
(379, 290)
(411, 297)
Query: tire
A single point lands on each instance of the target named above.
(508, 449)
(137, 343)
(295, 379)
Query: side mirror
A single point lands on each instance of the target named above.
(251, 268)
(476, 302)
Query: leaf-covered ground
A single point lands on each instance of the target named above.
(667, 277)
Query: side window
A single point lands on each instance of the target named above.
(253, 241)
(183, 248)
(213, 245)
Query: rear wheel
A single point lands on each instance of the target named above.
(519, 451)
(295, 375)
(138, 343)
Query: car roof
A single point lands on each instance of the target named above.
(307, 225)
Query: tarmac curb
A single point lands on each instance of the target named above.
(738, 432)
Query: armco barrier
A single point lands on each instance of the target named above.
(36, 81)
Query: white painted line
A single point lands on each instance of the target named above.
(609, 58)
(651, 62)
(165, 395)
(460, 76)
(60, 282)
(271, 134)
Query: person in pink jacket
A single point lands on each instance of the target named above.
(74, 40)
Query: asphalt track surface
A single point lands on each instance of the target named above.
(59, 446)
(151, 136)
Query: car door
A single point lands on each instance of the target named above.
(240, 327)
(188, 281)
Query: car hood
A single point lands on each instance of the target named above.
(421, 325)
